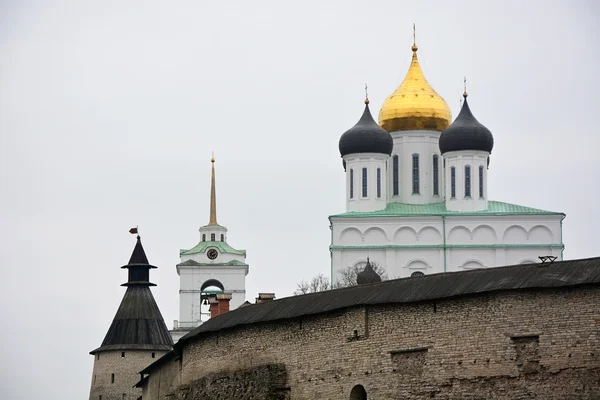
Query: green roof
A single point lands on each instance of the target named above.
(192, 263)
(439, 209)
(203, 246)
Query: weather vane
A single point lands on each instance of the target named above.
(366, 94)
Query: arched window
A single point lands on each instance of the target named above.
(415, 174)
(364, 182)
(204, 237)
(222, 237)
(436, 169)
(378, 182)
(481, 181)
(467, 181)
(417, 273)
(452, 182)
(395, 175)
(351, 183)
(358, 393)
(212, 237)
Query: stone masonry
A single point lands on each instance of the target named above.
(516, 344)
(115, 373)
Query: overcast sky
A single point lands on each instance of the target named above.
(109, 111)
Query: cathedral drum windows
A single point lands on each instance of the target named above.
(436, 169)
(395, 177)
(415, 174)
(378, 183)
(481, 181)
(467, 181)
(351, 183)
(453, 182)
(364, 183)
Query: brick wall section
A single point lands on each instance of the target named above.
(126, 370)
(517, 344)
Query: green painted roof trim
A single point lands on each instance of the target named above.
(203, 246)
(448, 246)
(192, 263)
(439, 209)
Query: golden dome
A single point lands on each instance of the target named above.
(414, 105)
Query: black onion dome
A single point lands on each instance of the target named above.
(366, 137)
(466, 133)
(368, 275)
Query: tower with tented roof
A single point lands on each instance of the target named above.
(136, 337)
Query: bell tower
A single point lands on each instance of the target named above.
(211, 267)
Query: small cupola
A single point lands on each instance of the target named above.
(368, 275)
(366, 137)
(466, 133)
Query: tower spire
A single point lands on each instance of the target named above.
(213, 194)
(465, 87)
(414, 46)
(366, 94)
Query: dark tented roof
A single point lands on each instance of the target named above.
(410, 290)
(138, 324)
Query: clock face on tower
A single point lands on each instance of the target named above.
(212, 254)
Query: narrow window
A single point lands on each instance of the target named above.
(364, 182)
(351, 183)
(153, 354)
(436, 188)
(467, 181)
(212, 237)
(100, 397)
(415, 174)
(481, 181)
(98, 356)
(122, 354)
(94, 379)
(204, 237)
(395, 175)
(452, 182)
(124, 396)
(378, 182)
(222, 237)
(112, 378)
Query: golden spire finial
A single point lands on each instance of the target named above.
(465, 85)
(213, 194)
(414, 46)
(366, 94)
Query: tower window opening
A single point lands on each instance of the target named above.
(153, 354)
(395, 175)
(415, 174)
(112, 378)
(94, 379)
(222, 237)
(124, 396)
(453, 182)
(100, 397)
(122, 354)
(481, 181)
(467, 181)
(212, 237)
(204, 237)
(378, 182)
(98, 356)
(358, 393)
(351, 183)
(364, 182)
(436, 183)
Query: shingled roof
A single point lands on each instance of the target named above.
(138, 324)
(411, 290)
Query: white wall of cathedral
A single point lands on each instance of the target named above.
(423, 143)
(464, 194)
(370, 194)
(404, 245)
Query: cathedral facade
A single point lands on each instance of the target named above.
(417, 193)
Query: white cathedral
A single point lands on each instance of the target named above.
(417, 193)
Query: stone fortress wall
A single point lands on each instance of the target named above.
(522, 343)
